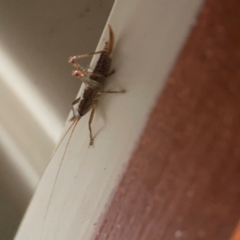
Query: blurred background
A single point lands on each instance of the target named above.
(37, 89)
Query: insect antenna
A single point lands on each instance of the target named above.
(74, 124)
(62, 139)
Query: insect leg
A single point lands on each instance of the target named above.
(86, 80)
(73, 58)
(84, 55)
(110, 73)
(74, 103)
(109, 91)
(89, 124)
(89, 74)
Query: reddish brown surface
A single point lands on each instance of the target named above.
(236, 234)
(183, 182)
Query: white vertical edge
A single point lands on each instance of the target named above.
(148, 38)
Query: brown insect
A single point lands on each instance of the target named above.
(94, 83)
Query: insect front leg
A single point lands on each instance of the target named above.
(72, 59)
(86, 80)
(89, 74)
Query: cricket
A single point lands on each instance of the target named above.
(94, 82)
(93, 89)
(94, 86)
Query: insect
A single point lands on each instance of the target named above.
(94, 82)
(94, 87)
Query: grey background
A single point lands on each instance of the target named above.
(38, 37)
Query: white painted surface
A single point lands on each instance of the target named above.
(148, 39)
